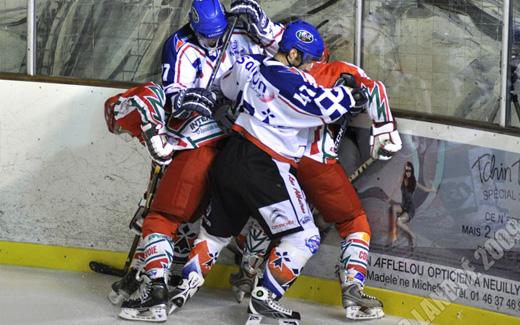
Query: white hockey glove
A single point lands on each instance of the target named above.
(384, 140)
(200, 100)
(158, 145)
(255, 17)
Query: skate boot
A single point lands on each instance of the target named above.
(242, 283)
(359, 305)
(151, 303)
(263, 304)
(184, 291)
(122, 289)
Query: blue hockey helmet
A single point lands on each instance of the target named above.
(305, 38)
(207, 18)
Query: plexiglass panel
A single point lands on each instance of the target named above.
(105, 39)
(13, 36)
(437, 57)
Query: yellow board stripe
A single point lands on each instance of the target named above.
(307, 288)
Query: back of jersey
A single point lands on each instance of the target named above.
(280, 104)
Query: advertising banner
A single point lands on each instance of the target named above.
(445, 221)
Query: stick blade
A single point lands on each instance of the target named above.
(105, 269)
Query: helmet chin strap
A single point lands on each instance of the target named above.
(291, 64)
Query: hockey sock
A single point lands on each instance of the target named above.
(354, 258)
(205, 253)
(138, 261)
(183, 241)
(158, 254)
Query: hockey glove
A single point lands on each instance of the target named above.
(160, 149)
(255, 17)
(346, 79)
(384, 140)
(360, 96)
(200, 100)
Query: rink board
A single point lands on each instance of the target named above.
(78, 185)
(307, 288)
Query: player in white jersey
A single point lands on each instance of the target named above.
(254, 175)
(189, 56)
(327, 187)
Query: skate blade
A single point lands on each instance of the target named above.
(255, 319)
(239, 294)
(154, 314)
(359, 313)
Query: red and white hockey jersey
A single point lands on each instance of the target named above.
(321, 147)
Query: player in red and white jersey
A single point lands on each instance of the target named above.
(327, 187)
(254, 175)
(186, 143)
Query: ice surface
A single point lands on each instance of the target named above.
(38, 296)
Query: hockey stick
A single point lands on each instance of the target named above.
(226, 42)
(103, 268)
(361, 169)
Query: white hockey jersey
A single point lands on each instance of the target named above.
(186, 64)
(279, 106)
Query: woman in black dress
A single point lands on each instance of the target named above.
(404, 212)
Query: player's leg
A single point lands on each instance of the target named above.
(327, 187)
(225, 218)
(129, 283)
(281, 209)
(178, 197)
(255, 250)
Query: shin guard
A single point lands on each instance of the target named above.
(287, 259)
(205, 253)
(158, 253)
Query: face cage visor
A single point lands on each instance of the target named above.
(210, 44)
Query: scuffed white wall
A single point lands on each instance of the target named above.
(64, 179)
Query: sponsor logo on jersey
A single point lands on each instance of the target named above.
(277, 215)
(306, 218)
(197, 124)
(313, 243)
(298, 194)
(304, 36)
(279, 220)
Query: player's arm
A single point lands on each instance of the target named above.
(140, 111)
(258, 24)
(178, 71)
(385, 140)
(328, 104)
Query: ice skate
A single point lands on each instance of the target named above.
(242, 283)
(184, 291)
(359, 305)
(263, 304)
(122, 289)
(150, 305)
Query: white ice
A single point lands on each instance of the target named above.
(41, 296)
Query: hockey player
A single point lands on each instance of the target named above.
(189, 56)
(327, 187)
(254, 175)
